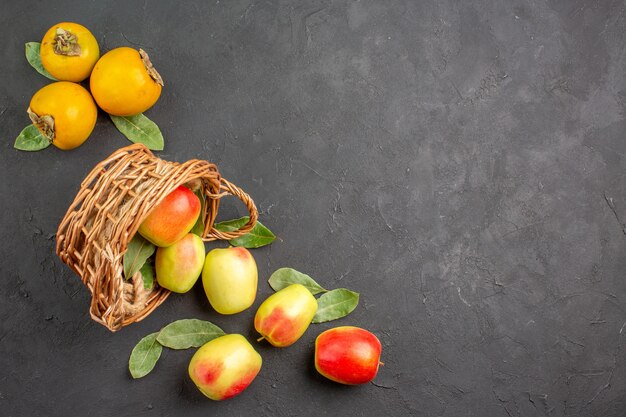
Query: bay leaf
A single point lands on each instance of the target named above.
(186, 333)
(144, 356)
(31, 139)
(198, 228)
(147, 273)
(284, 277)
(255, 238)
(231, 225)
(140, 129)
(138, 251)
(33, 57)
(335, 304)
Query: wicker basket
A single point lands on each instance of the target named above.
(112, 202)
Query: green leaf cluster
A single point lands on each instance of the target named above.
(181, 334)
(331, 305)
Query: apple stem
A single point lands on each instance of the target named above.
(381, 363)
(260, 338)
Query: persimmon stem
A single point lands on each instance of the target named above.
(66, 43)
(44, 123)
(150, 68)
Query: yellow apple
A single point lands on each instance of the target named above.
(178, 266)
(284, 316)
(230, 279)
(224, 367)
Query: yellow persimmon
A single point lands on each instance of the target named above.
(64, 113)
(124, 82)
(69, 51)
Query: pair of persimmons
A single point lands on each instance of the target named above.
(123, 83)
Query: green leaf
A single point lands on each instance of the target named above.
(183, 334)
(147, 273)
(284, 277)
(34, 59)
(31, 139)
(255, 238)
(140, 129)
(144, 356)
(335, 304)
(231, 225)
(198, 228)
(138, 251)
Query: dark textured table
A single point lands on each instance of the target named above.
(460, 164)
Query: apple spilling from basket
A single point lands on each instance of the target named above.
(225, 364)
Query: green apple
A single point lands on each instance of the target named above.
(230, 279)
(178, 266)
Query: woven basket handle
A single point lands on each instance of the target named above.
(228, 188)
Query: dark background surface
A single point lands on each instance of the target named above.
(460, 164)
